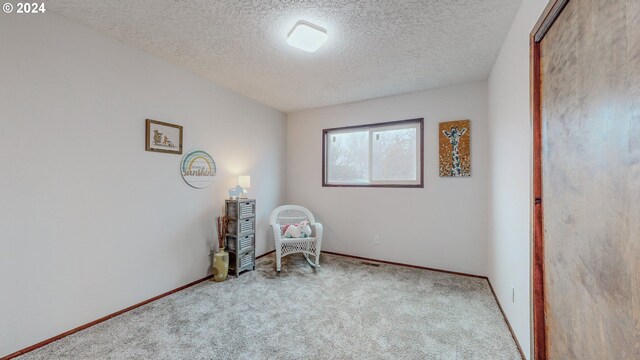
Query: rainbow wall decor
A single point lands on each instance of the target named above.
(198, 168)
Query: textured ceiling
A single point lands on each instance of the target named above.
(375, 48)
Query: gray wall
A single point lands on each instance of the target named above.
(443, 225)
(510, 176)
(90, 222)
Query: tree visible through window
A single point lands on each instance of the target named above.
(386, 154)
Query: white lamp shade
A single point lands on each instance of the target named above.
(244, 181)
(306, 36)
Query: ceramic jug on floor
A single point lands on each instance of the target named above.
(220, 265)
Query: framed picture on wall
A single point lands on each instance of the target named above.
(455, 148)
(163, 137)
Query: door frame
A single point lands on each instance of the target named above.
(539, 334)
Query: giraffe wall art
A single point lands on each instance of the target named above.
(455, 148)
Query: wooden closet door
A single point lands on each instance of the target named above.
(590, 113)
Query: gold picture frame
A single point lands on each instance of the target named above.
(163, 137)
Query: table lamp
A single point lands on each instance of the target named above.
(244, 181)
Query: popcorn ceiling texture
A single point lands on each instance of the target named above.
(375, 48)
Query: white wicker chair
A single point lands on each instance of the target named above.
(292, 214)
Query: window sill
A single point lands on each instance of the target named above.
(376, 185)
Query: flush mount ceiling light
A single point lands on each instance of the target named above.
(306, 36)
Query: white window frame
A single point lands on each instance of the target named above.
(417, 124)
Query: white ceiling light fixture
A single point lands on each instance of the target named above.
(306, 36)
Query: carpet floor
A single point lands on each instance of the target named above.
(345, 310)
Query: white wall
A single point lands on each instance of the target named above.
(442, 226)
(90, 223)
(510, 159)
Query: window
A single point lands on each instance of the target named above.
(378, 155)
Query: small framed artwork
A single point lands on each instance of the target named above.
(455, 148)
(163, 137)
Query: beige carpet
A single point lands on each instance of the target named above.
(346, 310)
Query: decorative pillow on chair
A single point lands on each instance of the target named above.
(301, 230)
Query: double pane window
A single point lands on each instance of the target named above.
(387, 154)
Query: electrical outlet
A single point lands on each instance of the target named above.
(376, 240)
(513, 294)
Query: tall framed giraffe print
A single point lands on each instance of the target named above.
(455, 148)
